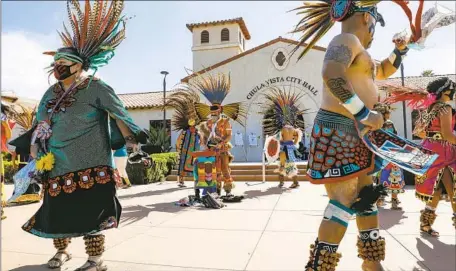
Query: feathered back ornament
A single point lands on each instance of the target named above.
(96, 32)
(23, 117)
(215, 88)
(319, 16)
(282, 109)
(417, 98)
(183, 102)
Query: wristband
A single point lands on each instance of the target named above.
(354, 105)
(397, 56)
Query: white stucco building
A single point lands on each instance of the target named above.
(220, 47)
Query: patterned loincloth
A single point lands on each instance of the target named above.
(336, 151)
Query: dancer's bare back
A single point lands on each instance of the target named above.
(346, 52)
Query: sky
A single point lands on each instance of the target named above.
(157, 40)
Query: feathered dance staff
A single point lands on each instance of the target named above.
(217, 132)
(284, 128)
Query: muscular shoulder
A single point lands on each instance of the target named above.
(343, 49)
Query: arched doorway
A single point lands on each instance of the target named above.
(255, 117)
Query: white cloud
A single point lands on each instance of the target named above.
(23, 63)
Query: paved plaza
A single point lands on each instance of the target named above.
(270, 230)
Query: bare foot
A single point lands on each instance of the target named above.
(372, 266)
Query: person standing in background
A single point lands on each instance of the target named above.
(120, 161)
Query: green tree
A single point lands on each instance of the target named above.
(427, 73)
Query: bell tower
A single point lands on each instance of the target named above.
(216, 41)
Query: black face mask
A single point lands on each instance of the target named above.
(62, 72)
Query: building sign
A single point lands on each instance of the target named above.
(282, 79)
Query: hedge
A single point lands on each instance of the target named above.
(162, 164)
(9, 171)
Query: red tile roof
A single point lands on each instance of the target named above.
(239, 21)
(145, 100)
(417, 81)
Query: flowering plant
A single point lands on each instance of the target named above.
(45, 162)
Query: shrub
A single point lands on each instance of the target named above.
(162, 164)
(9, 171)
(159, 137)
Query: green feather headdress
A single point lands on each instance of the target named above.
(96, 32)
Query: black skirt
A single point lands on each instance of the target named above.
(77, 204)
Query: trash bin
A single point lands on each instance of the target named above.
(137, 166)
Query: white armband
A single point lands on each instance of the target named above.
(354, 105)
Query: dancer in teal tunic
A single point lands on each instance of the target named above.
(79, 121)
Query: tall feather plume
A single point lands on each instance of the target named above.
(282, 108)
(214, 87)
(96, 29)
(315, 23)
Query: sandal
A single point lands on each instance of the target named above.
(294, 185)
(395, 205)
(93, 266)
(430, 231)
(181, 185)
(281, 184)
(58, 261)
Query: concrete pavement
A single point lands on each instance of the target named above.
(271, 230)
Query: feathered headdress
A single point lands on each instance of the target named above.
(183, 101)
(320, 16)
(383, 108)
(215, 88)
(417, 98)
(421, 100)
(97, 31)
(282, 110)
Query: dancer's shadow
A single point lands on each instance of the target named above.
(152, 193)
(390, 218)
(42, 267)
(132, 214)
(440, 253)
(261, 193)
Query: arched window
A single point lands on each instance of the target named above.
(205, 37)
(225, 34)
